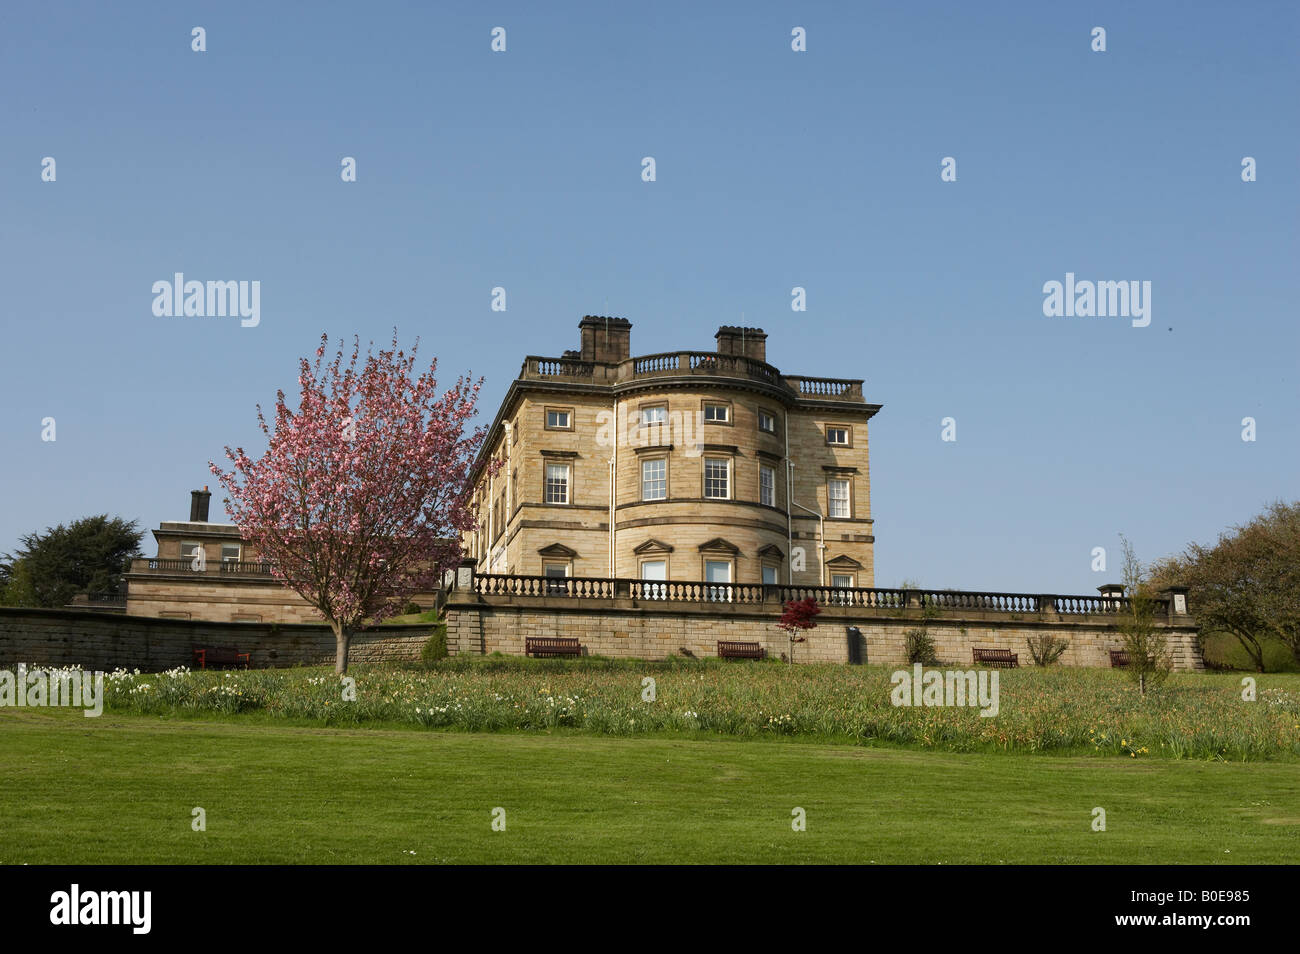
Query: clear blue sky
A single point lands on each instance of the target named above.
(775, 169)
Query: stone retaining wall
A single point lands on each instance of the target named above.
(107, 641)
(620, 627)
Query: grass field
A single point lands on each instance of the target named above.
(1057, 710)
(121, 789)
(1222, 649)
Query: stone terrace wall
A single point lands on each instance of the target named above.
(107, 640)
(651, 630)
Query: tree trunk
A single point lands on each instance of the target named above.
(342, 639)
(1253, 649)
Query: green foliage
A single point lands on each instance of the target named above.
(1147, 647)
(86, 556)
(435, 647)
(406, 619)
(412, 609)
(920, 647)
(1247, 584)
(16, 587)
(1046, 649)
(1223, 651)
(1058, 709)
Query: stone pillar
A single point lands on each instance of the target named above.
(1110, 592)
(1177, 601)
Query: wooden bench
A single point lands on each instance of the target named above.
(997, 658)
(1119, 658)
(546, 646)
(730, 649)
(216, 657)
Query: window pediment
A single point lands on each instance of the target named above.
(558, 551)
(719, 545)
(652, 546)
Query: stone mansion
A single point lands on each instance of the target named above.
(689, 465)
(653, 505)
(709, 466)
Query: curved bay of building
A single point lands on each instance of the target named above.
(681, 466)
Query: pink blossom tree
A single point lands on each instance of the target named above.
(362, 495)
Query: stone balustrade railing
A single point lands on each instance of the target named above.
(941, 601)
(688, 363)
(211, 568)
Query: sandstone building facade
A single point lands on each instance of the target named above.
(710, 466)
(230, 584)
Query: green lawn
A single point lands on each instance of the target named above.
(121, 788)
(1224, 650)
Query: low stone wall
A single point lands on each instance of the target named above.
(650, 630)
(106, 641)
(224, 598)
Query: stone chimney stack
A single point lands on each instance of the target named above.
(750, 342)
(605, 339)
(199, 500)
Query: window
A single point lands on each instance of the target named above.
(838, 435)
(557, 484)
(766, 485)
(245, 618)
(717, 472)
(230, 553)
(654, 415)
(769, 575)
(654, 570)
(654, 479)
(766, 422)
(842, 581)
(718, 571)
(554, 573)
(193, 552)
(838, 496)
(717, 413)
(559, 419)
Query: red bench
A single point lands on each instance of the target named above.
(1119, 659)
(547, 646)
(730, 649)
(218, 657)
(997, 658)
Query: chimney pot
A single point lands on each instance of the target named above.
(199, 500)
(750, 342)
(607, 340)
